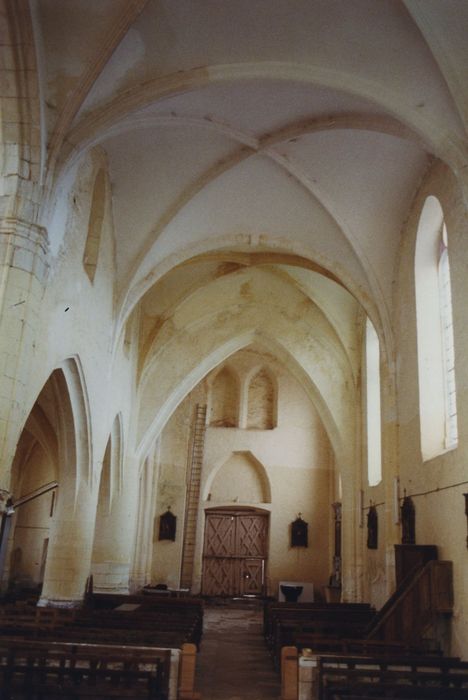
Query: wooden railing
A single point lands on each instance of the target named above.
(415, 606)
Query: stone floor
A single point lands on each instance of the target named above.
(233, 662)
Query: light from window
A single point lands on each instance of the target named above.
(446, 319)
(436, 356)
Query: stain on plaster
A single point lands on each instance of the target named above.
(245, 291)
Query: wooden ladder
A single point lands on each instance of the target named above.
(193, 495)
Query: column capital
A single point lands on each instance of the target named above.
(24, 246)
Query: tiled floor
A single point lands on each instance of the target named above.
(233, 662)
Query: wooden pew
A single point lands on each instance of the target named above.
(357, 646)
(333, 622)
(409, 677)
(179, 612)
(150, 625)
(100, 601)
(294, 670)
(108, 631)
(274, 610)
(31, 669)
(105, 635)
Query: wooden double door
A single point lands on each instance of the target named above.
(234, 553)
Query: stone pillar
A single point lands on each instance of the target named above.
(144, 534)
(348, 585)
(390, 471)
(23, 244)
(350, 462)
(70, 547)
(23, 264)
(114, 540)
(5, 529)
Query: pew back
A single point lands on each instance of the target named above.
(62, 670)
(394, 677)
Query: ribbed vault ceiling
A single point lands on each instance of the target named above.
(301, 127)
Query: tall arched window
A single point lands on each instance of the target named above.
(373, 422)
(436, 357)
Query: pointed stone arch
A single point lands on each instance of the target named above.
(220, 355)
(71, 537)
(53, 446)
(41, 430)
(295, 255)
(309, 349)
(111, 473)
(77, 426)
(59, 421)
(35, 465)
(65, 432)
(309, 346)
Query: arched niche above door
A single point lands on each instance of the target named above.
(240, 479)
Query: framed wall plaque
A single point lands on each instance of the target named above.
(299, 533)
(167, 526)
(408, 521)
(372, 528)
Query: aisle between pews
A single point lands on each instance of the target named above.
(233, 662)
